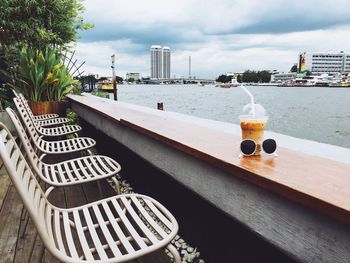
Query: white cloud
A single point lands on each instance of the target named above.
(214, 33)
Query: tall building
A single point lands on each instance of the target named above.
(329, 63)
(166, 63)
(160, 62)
(156, 62)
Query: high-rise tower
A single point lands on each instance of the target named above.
(166, 63)
(160, 62)
(156, 61)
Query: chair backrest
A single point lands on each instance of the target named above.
(30, 152)
(15, 93)
(28, 122)
(33, 197)
(26, 106)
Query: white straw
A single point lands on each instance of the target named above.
(252, 101)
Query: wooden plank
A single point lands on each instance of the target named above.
(26, 239)
(10, 217)
(57, 198)
(38, 251)
(5, 182)
(48, 258)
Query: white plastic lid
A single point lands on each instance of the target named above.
(247, 112)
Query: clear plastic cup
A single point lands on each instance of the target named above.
(253, 127)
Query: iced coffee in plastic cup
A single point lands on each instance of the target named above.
(253, 125)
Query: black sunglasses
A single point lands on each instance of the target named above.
(248, 147)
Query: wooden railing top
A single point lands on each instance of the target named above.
(319, 183)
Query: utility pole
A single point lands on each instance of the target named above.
(114, 78)
(189, 67)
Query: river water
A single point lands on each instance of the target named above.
(318, 114)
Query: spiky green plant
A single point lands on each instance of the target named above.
(41, 75)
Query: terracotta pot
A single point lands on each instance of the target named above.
(59, 107)
(46, 107)
(40, 108)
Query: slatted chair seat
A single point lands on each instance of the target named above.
(44, 120)
(115, 229)
(66, 146)
(70, 172)
(45, 117)
(59, 131)
(52, 122)
(49, 147)
(79, 170)
(42, 123)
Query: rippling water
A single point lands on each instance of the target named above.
(319, 114)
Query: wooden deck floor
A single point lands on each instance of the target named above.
(19, 241)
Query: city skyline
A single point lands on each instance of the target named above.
(220, 36)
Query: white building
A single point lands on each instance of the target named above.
(166, 63)
(330, 63)
(283, 77)
(135, 76)
(160, 62)
(156, 62)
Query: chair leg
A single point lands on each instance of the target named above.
(175, 253)
(99, 188)
(117, 185)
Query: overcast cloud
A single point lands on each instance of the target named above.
(221, 36)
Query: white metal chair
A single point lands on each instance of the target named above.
(50, 147)
(115, 229)
(59, 130)
(70, 172)
(41, 120)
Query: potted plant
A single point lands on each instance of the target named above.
(43, 80)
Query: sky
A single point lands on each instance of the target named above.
(220, 35)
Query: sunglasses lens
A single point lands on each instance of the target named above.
(269, 146)
(248, 147)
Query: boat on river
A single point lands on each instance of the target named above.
(233, 83)
(105, 85)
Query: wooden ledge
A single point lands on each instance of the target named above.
(319, 183)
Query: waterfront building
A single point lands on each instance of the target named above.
(166, 63)
(156, 62)
(329, 63)
(135, 76)
(160, 62)
(283, 77)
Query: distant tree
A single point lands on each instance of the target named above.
(256, 76)
(264, 76)
(307, 72)
(224, 78)
(221, 78)
(119, 79)
(239, 78)
(250, 76)
(294, 68)
(131, 80)
(88, 81)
